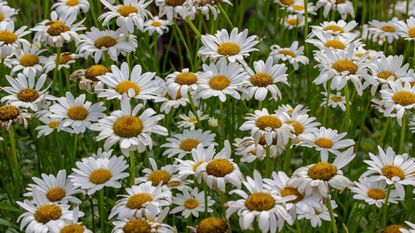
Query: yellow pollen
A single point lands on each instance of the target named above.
(298, 7)
(158, 176)
(191, 203)
(156, 24)
(54, 124)
(65, 58)
(73, 228)
(340, 1)
(343, 65)
(404, 98)
(324, 142)
(287, 52)
(212, 225)
(322, 171)
(391, 171)
(28, 60)
(137, 226)
(411, 32)
(100, 176)
(197, 164)
(8, 112)
(174, 183)
(192, 120)
(337, 44)
(28, 95)
(388, 28)
(253, 152)
(126, 85)
(56, 194)
(269, 121)
(386, 74)
(126, 10)
(8, 37)
(229, 49)
(375, 193)
(219, 82)
(261, 80)
(298, 126)
(334, 28)
(46, 213)
(2, 17)
(56, 28)
(77, 113)
(394, 228)
(137, 201)
(260, 201)
(287, 191)
(186, 78)
(94, 71)
(188, 144)
(287, 2)
(219, 167)
(336, 98)
(105, 41)
(72, 2)
(292, 21)
(174, 3)
(128, 126)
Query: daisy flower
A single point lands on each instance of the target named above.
(234, 46)
(8, 14)
(191, 203)
(334, 42)
(55, 189)
(95, 43)
(251, 151)
(264, 78)
(50, 125)
(298, 109)
(298, 8)
(371, 55)
(294, 21)
(130, 130)
(190, 120)
(66, 59)
(293, 54)
(141, 200)
(176, 8)
(93, 174)
(182, 144)
(200, 155)
(68, 226)
(76, 112)
(301, 124)
(72, 6)
(60, 29)
(10, 114)
(180, 83)
(373, 192)
(120, 82)
(407, 29)
(25, 91)
(129, 14)
(88, 78)
(344, 7)
(399, 98)
(411, 228)
(323, 176)
(334, 100)
(11, 39)
(156, 25)
(152, 223)
(221, 79)
(259, 204)
(210, 6)
(395, 169)
(26, 59)
(388, 29)
(315, 214)
(340, 27)
(168, 102)
(157, 176)
(212, 224)
(285, 3)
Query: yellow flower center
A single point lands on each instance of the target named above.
(334, 28)
(340, 1)
(156, 24)
(126, 10)
(322, 171)
(197, 164)
(388, 28)
(126, 85)
(292, 21)
(65, 58)
(212, 225)
(260, 201)
(72, 2)
(94, 71)
(287, 52)
(289, 191)
(386, 74)
(73, 228)
(394, 228)
(100, 176)
(8, 112)
(261, 80)
(174, 183)
(186, 78)
(411, 32)
(46, 213)
(269, 121)
(57, 27)
(188, 144)
(337, 44)
(404, 98)
(219, 82)
(219, 167)
(391, 171)
(28, 95)
(287, 2)
(336, 98)
(28, 60)
(137, 201)
(345, 65)
(158, 176)
(77, 113)
(229, 49)
(105, 41)
(128, 126)
(174, 3)
(324, 142)
(298, 7)
(191, 203)
(56, 194)
(8, 37)
(375, 193)
(54, 124)
(137, 226)
(298, 126)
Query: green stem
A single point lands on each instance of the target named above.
(403, 131)
(385, 206)
(326, 108)
(91, 201)
(332, 218)
(132, 168)
(57, 62)
(297, 222)
(222, 124)
(228, 20)
(101, 210)
(268, 164)
(192, 105)
(346, 122)
(193, 27)
(14, 161)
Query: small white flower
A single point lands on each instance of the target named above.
(190, 120)
(293, 54)
(373, 192)
(157, 25)
(11, 39)
(191, 203)
(334, 101)
(72, 6)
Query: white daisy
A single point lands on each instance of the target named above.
(156, 25)
(190, 120)
(344, 7)
(11, 39)
(50, 125)
(176, 9)
(315, 214)
(388, 29)
(298, 109)
(373, 192)
(335, 42)
(168, 102)
(411, 228)
(251, 151)
(26, 59)
(158, 176)
(334, 101)
(200, 155)
(295, 21)
(340, 27)
(293, 54)
(180, 83)
(191, 203)
(65, 61)
(207, 7)
(407, 29)
(7, 14)
(10, 114)
(298, 7)
(88, 78)
(69, 226)
(73, 6)
(301, 124)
